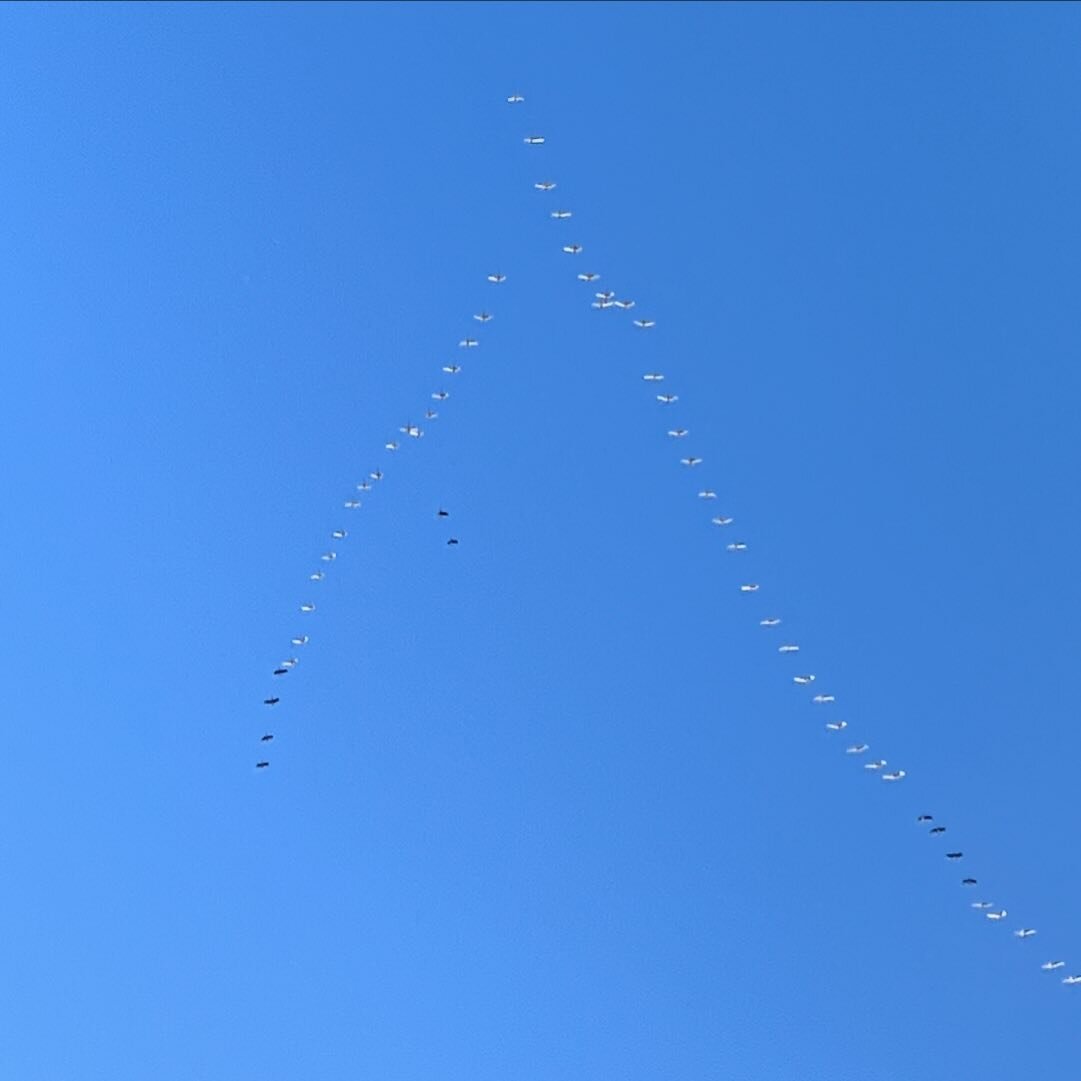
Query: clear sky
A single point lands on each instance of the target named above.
(545, 805)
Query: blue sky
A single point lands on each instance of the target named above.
(544, 805)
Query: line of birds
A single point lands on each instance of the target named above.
(609, 300)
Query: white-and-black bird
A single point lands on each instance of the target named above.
(376, 474)
(1025, 932)
(441, 395)
(307, 607)
(769, 621)
(667, 399)
(561, 214)
(412, 431)
(545, 185)
(329, 557)
(678, 433)
(857, 748)
(318, 576)
(534, 140)
(452, 369)
(1001, 914)
(339, 534)
(823, 699)
(722, 519)
(749, 587)
(515, 99)
(392, 445)
(982, 906)
(495, 279)
(653, 377)
(626, 305)
(351, 504)
(589, 277)
(876, 765)
(692, 461)
(573, 249)
(788, 649)
(468, 343)
(836, 726)
(897, 775)
(810, 678)
(300, 640)
(483, 317)
(645, 324)
(736, 546)
(1050, 966)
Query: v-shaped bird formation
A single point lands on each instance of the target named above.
(768, 620)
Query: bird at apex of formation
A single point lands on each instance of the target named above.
(534, 140)
(495, 279)
(271, 701)
(678, 433)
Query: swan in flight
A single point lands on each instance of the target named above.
(364, 486)
(836, 726)
(1050, 966)
(545, 185)
(468, 343)
(441, 395)
(645, 324)
(982, 905)
(392, 445)
(1025, 932)
(678, 433)
(329, 557)
(877, 764)
(572, 249)
(626, 305)
(605, 296)
(292, 662)
(999, 915)
(497, 278)
(603, 305)
(430, 414)
(339, 534)
(318, 576)
(1072, 979)
(534, 140)
(452, 369)
(267, 738)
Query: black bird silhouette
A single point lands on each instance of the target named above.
(280, 671)
(954, 855)
(453, 540)
(267, 738)
(441, 513)
(261, 765)
(938, 829)
(271, 701)
(925, 818)
(968, 882)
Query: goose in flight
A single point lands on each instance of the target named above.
(1072, 979)
(836, 726)
(678, 433)
(999, 915)
(497, 278)
(653, 377)
(468, 343)
(968, 882)
(749, 587)
(736, 546)
(318, 576)
(329, 557)
(803, 679)
(534, 140)
(515, 99)
(441, 513)
(453, 540)
(1050, 966)
(897, 775)
(483, 317)
(262, 765)
(351, 504)
(769, 621)
(301, 640)
(877, 764)
(722, 520)
(271, 701)
(339, 534)
(589, 277)
(954, 855)
(307, 607)
(1025, 932)
(392, 445)
(925, 818)
(788, 649)
(857, 748)
(280, 671)
(692, 461)
(411, 430)
(266, 738)
(561, 215)
(823, 699)
(934, 831)
(452, 369)
(545, 185)
(572, 249)
(441, 395)
(645, 324)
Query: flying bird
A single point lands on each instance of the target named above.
(770, 621)
(534, 140)
(968, 882)
(1025, 932)
(999, 915)
(561, 214)
(572, 249)
(261, 765)
(303, 640)
(722, 520)
(364, 486)
(453, 540)
(412, 430)
(452, 369)
(271, 701)
(1050, 966)
(329, 557)
(857, 748)
(339, 534)
(878, 764)
(307, 607)
(290, 663)
(603, 305)
(605, 296)
(352, 504)
(392, 445)
(468, 343)
(645, 324)
(280, 671)
(483, 317)
(441, 395)
(823, 699)
(982, 905)
(653, 377)
(376, 474)
(836, 726)
(898, 775)
(667, 399)
(430, 414)
(318, 576)
(266, 739)
(750, 587)
(441, 513)
(803, 679)
(788, 649)
(954, 855)
(497, 278)
(678, 433)
(690, 461)
(925, 818)
(545, 185)
(589, 277)
(626, 305)
(935, 830)
(514, 99)
(1072, 979)
(735, 546)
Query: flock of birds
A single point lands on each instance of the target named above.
(603, 300)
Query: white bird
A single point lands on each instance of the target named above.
(364, 486)
(572, 249)
(690, 461)
(514, 99)
(653, 377)
(982, 905)
(803, 679)
(307, 607)
(430, 414)
(290, 663)
(678, 433)
(351, 504)
(857, 748)
(339, 534)
(452, 369)
(303, 640)
(605, 296)
(561, 214)
(1050, 966)
(1025, 932)
(534, 140)
(392, 445)
(877, 764)
(412, 431)
(318, 576)
(590, 277)
(1072, 979)
(736, 546)
(750, 587)
(645, 324)
(441, 395)
(626, 305)
(376, 474)
(468, 343)
(999, 915)
(545, 185)
(707, 493)
(769, 621)
(788, 649)
(667, 399)
(722, 520)
(483, 317)
(836, 726)
(329, 557)
(497, 278)
(823, 699)
(602, 305)
(898, 775)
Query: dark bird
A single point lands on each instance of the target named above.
(938, 829)
(266, 739)
(954, 855)
(925, 818)
(453, 540)
(968, 882)
(271, 701)
(441, 513)
(280, 671)
(261, 765)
